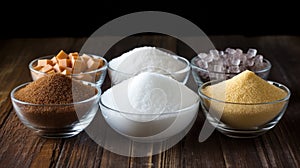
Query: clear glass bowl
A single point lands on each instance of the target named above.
(149, 127)
(181, 75)
(56, 120)
(249, 120)
(97, 76)
(201, 75)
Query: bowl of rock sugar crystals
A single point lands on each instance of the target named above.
(150, 101)
(148, 58)
(222, 65)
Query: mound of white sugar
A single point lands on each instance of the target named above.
(149, 93)
(141, 58)
(154, 93)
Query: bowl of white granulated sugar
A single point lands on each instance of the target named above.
(150, 59)
(150, 107)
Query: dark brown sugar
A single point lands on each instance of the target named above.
(54, 93)
(55, 89)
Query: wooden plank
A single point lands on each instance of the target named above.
(22, 148)
(79, 151)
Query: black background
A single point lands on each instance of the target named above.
(82, 18)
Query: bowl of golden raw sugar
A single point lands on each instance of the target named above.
(85, 67)
(244, 106)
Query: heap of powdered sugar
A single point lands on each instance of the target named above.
(141, 58)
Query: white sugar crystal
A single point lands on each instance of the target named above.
(208, 58)
(250, 62)
(235, 61)
(259, 59)
(221, 52)
(214, 52)
(202, 64)
(239, 51)
(234, 69)
(230, 51)
(202, 55)
(251, 52)
(243, 58)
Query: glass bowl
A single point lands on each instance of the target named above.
(249, 120)
(56, 120)
(96, 76)
(182, 75)
(201, 75)
(149, 127)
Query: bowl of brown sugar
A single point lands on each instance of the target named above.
(56, 106)
(245, 105)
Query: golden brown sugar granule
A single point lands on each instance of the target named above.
(245, 88)
(55, 89)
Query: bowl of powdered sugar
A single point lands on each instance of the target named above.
(149, 59)
(149, 107)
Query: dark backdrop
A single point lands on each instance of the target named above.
(82, 18)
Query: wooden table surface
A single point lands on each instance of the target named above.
(280, 147)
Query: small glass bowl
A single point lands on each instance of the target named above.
(201, 75)
(249, 120)
(181, 75)
(149, 127)
(96, 76)
(56, 120)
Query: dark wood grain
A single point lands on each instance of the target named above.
(280, 147)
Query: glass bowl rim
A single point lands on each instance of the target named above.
(103, 68)
(150, 114)
(96, 96)
(286, 98)
(194, 66)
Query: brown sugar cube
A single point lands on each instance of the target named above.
(46, 68)
(73, 59)
(51, 71)
(78, 66)
(62, 55)
(99, 61)
(85, 57)
(58, 68)
(73, 54)
(54, 61)
(65, 62)
(38, 68)
(67, 71)
(44, 62)
(92, 64)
